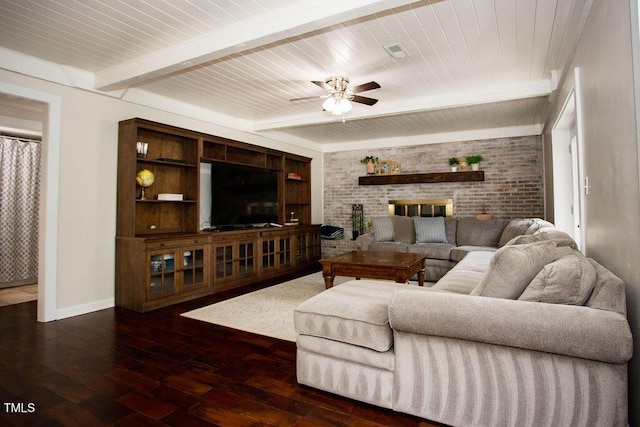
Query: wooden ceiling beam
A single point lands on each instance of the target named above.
(291, 20)
(443, 101)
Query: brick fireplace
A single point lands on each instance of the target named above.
(513, 185)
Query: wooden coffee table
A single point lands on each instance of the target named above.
(398, 266)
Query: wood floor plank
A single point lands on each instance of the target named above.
(117, 367)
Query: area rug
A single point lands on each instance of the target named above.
(268, 311)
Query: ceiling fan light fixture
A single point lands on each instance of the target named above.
(345, 106)
(337, 105)
(329, 104)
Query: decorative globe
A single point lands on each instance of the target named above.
(144, 178)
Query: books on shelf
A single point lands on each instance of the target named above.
(171, 197)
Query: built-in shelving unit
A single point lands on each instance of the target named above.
(162, 257)
(422, 178)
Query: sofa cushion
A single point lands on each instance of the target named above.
(561, 238)
(433, 250)
(354, 312)
(567, 280)
(515, 227)
(460, 252)
(451, 227)
(513, 267)
(343, 351)
(475, 232)
(609, 291)
(430, 229)
(404, 229)
(383, 228)
(466, 275)
(389, 246)
(538, 224)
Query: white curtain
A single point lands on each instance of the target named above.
(19, 189)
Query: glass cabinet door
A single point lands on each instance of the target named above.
(285, 250)
(269, 253)
(223, 262)
(315, 246)
(194, 271)
(301, 248)
(246, 258)
(162, 274)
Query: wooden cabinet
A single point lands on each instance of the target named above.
(175, 271)
(308, 246)
(172, 158)
(277, 248)
(156, 272)
(234, 258)
(297, 194)
(162, 257)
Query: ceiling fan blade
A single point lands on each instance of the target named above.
(365, 87)
(364, 100)
(323, 85)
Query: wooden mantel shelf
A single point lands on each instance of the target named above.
(421, 178)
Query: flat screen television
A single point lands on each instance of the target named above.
(243, 195)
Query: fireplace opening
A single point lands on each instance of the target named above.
(429, 207)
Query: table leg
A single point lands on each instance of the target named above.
(328, 280)
(421, 274)
(327, 273)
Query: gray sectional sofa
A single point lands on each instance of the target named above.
(445, 241)
(530, 334)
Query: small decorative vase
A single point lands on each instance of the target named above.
(475, 166)
(454, 168)
(371, 168)
(484, 217)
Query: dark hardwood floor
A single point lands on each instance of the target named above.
(118, 367)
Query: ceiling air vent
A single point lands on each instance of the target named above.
(396, 51)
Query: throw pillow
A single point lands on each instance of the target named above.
(404, 231)
(382, 228)
(562, 238)
(430, 230)
(513, 267)
(568, 280)
(475, 232)
(515, 227)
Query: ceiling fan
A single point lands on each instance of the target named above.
(339, 94)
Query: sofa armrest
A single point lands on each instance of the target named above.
(576, 331)
(364, 240)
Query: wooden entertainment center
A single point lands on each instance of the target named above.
(163, 257)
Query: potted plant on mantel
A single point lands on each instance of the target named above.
(370, 163)
(454, 162)
(474, 161)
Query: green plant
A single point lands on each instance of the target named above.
(368, 159)
(476, 158)
(453, 161)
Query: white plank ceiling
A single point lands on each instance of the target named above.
(473, 65)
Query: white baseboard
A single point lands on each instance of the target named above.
(85, 308)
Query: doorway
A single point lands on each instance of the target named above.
(568, 171)
(21, 123)
(48, 195)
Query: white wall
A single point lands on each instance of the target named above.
(87, 187)
(612, 209)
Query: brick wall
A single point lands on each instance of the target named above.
(513, 185)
